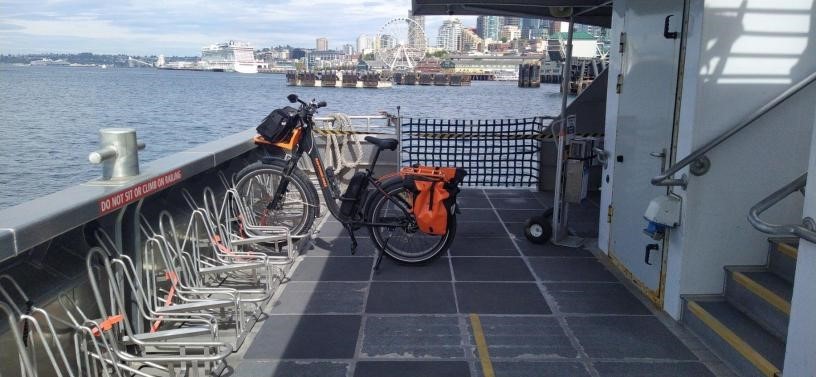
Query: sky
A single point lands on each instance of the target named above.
(182, 27)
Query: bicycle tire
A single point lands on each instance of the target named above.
(396, 249)
(257, 195)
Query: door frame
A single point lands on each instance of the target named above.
(657, 296)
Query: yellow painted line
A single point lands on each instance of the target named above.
(765, 367)
(787, 249)
(481, 346)
(764, 293)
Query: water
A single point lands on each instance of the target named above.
(49, 116)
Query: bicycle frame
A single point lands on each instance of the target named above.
(306, 145)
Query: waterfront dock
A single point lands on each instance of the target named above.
(435, 79)
(333, 80)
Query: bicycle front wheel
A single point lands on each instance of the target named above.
(403, 242)
(256, 185)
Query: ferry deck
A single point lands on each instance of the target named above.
(495, 302)
(703, 124)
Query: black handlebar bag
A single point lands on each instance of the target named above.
(278, 125)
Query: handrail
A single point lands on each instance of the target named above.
(805, 230)
(664, 178)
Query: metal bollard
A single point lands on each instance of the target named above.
(119, 154)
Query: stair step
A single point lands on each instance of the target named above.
(761, 295)
(734, 337)
(782, 257)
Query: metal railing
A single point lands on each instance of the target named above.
(363, 123)
(701, 163)
(806, 230)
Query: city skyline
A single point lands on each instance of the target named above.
(170, 28)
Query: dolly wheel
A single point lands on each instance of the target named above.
(538, 229)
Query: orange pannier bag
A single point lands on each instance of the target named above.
(434, 191)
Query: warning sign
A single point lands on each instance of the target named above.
(139, 191)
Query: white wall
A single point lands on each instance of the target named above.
(741, 54)
(800, 357)
(610, 128)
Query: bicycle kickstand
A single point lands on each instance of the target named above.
(380, 252)
(353, 239)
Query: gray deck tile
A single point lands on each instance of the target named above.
(464, 230)
(679, 369)
(412, 369)
(627, 337)
(516, 202)
(321, 298)
(477, 215)
(472, 202)
(306, 337)
(434, 270)
(570, 269)
(472, 193)
(412, 337)
(527, 337)
(511, 193)
(595, 298)
(516, 230)
(332, 229)
(483, 246)
(338, 247)
(501, 298)
(334, 269)
(549, 250)
(539, 369)
(491, 269)
(520, 215)
(259, 368)
(410, 298)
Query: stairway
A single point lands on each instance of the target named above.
(748, 324)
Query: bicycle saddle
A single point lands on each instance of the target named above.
(389, 144)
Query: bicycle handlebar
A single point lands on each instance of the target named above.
(310, 108)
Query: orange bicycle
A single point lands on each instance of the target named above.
(411, 216)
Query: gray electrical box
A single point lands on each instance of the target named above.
(577, 181)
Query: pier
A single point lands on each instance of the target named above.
(529, 75)
(435, 79)
(369, 80)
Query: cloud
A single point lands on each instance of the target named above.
(184, 26)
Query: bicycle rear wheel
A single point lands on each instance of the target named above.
(403, 242)
(256, 185)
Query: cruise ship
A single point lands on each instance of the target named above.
(231, 56)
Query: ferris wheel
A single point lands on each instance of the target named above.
(401, 43)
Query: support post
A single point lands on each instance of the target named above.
(560, 208)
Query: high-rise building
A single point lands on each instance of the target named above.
(322, 44)
(555, 27)
(417, 37)
(532, 28)
(386, 41)
(510, 33)
(512, 21)
(364, 44)
(449, 37)
(488, 27)
(471, 41)
(348, 49)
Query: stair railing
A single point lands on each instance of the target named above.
(697, 159)
(806, 230)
